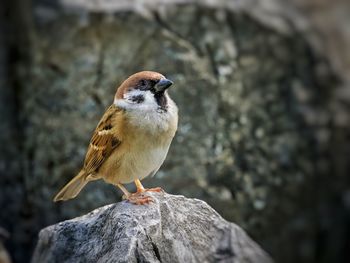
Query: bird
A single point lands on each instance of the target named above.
(132, 139)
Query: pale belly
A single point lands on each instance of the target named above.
(134, 165)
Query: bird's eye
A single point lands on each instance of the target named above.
(153, 82)
(143, 82)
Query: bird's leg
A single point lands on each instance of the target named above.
(139, 186)
(137, 198)
(124, 190)
(141, 189)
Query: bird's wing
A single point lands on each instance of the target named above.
(103, 141)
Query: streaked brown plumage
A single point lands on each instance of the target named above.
(132, 139)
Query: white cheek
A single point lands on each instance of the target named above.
(149, 103)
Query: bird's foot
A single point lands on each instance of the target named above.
(138, 198)
(156, 189)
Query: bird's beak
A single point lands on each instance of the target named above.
(163, 84)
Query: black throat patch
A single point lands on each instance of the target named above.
(161, 100)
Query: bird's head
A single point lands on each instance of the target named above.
(145, 89)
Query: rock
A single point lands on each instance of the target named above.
(172, 229)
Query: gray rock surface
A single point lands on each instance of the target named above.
(172, 229)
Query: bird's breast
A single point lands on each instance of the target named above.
(135, 163)
(144, 145)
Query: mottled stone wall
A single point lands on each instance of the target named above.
(258, 138)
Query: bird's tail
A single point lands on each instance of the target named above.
(73, 188)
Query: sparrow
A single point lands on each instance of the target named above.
(131, 140)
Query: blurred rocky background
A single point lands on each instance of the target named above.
(263, 89)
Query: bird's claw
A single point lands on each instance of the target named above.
(156, 189)
(139, 199)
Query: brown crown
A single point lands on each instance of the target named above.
(132, 81)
